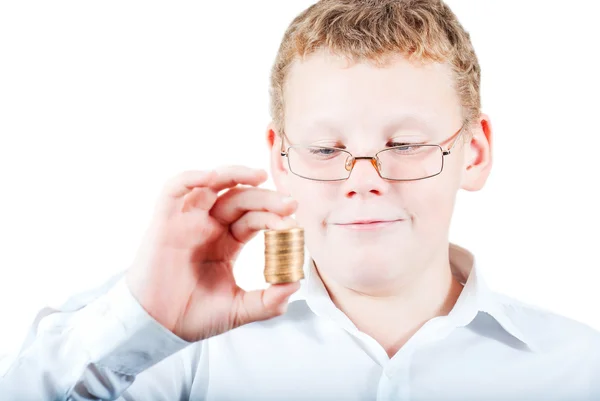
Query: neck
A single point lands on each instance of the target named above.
(392, 318)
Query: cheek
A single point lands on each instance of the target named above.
(312, 202)
(430, 203)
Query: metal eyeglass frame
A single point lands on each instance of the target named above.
(374, 160)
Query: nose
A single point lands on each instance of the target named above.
(364, 178)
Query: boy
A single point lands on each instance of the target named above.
(376, 126)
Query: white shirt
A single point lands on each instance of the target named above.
(103, 345)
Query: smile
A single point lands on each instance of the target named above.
(369, 225)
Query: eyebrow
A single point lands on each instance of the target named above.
(420, 123)
(406, 121)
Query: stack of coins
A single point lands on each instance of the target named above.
(284, 255)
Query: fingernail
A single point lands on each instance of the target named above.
(287, 199)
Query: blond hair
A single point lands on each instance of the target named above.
(373, 31)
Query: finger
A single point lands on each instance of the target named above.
(185, 182)
(230, 176)
(230, 206)
(244, 229)
(264, 304)
(199, 198)
(222, 178)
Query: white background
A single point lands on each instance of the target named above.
(101, 102)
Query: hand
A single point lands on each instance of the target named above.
(183, 273)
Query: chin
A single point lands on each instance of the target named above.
(372, 262)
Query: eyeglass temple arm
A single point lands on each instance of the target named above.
(458, 134)
(282, 136)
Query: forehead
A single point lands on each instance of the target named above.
(324, 92)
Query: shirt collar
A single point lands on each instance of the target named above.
(476, 297)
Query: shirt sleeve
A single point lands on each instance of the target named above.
(93, 347)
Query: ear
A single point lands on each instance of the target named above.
(478, 155)
(279, 170)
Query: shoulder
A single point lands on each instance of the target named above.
(549, 330)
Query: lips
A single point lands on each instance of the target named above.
(371, 225)
(370, 221)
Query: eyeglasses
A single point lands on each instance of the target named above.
(407, 162)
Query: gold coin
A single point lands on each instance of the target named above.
(284, 255)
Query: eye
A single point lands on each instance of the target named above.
(402, 148)
(402, 145)
(322, 151)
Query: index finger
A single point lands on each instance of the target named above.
(222, 178)
(230, 176)
(185, 182)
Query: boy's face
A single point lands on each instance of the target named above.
(364, 109)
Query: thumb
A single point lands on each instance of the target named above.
(266, 304)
